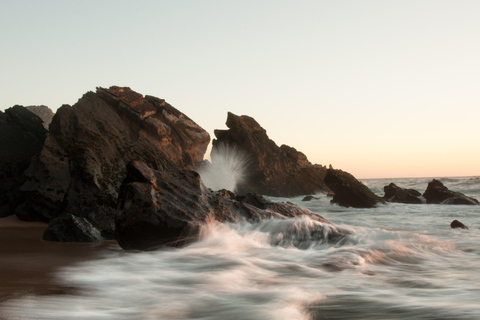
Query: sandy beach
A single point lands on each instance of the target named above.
(28, 263)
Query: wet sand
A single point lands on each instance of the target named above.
(28, 263)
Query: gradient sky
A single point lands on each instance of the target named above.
(376, 88)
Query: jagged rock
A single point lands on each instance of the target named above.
(44, 112)
(437, 193)
(394, 193)
(21, 137)
(82, 164)
(349, 192)
(271, 170)
(457, 224)
(168, 207)
(310, 198)
(70, 228)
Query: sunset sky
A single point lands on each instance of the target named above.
(376, 88)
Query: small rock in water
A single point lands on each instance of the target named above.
(457, 224)
(308, 198)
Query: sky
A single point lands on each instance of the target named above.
(381, 89)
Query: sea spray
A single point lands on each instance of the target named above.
(227, 170)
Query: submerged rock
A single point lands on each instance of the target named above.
(269, 169)
(394, 193)
(437, 193)
(349, 192)
(169, 207)
(457, 224)
(309, 198)
(22, 135)
(82, 164)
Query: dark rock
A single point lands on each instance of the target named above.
(272, 170)
(70, 228)
(21, 137)
(437, 193)
(309, 198)
(394, 193)
(457, 224)
(82, 164)
(44, 112)
(170, 206)
(349, 192)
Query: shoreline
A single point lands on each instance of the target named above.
(28, 264)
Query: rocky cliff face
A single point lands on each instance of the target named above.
(82, 164)
(270, 170)
(21, 137)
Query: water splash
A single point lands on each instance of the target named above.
(227, 170)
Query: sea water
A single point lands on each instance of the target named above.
(396, 261)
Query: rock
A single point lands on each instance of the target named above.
(437, 193)
(457, 224)
(82, 164)
(70, 228)
(169, 207)
(21, 137)
(309, 198)
(271, 170)
(348, 191)
(394, 193)
(44, 112)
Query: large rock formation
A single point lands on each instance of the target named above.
(169, 207)
(436, 192)
(271, 170)
(348, 191)
(21, 137)
(82, 164)
(394, 193)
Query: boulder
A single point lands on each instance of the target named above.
(82, 164)
(69, 228)
(394, 193)
(22, 135)
(457, 224)
(349, 192)
(168, 208)
(269, 170)
(44, 112)
(437, 193)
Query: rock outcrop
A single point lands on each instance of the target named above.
(437, 193)
(270, 169)
(169, 207)
(82, 164)
(44, 112)
(349, 192)
(21, 137)
(394, 193)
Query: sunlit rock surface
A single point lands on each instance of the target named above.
(82, 164)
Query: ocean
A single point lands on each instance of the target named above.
(398, 261)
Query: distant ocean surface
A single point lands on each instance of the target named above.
(399, 262)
